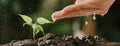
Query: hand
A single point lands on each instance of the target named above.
(83, 8)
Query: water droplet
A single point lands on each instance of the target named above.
(86, 23)
(94, 18)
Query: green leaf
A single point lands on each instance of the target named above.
(26, 19)
(41, 20)
(41, 29)
(24, 24)
(37, 28)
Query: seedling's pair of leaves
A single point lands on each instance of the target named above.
(40, 20)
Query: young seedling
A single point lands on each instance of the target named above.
(35, 26)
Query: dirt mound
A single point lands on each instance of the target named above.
(52, 40)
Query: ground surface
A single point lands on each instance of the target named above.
(52, 40)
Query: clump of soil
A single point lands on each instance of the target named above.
(52, 40)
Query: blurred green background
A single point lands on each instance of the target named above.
(11, 23)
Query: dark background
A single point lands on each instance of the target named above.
(109, 25)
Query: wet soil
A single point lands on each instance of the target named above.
(53, 40)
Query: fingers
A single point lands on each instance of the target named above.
(65, 12)
(83, 8)
(77, 1)
(57, 15)
(69, 9)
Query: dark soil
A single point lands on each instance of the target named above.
(52, 40)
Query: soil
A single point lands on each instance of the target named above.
(53, 40)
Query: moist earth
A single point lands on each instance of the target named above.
(65, 40)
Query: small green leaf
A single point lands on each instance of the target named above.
(41, 29)
(24, 24)
(26, 19)
(41, 20)
(37, 28)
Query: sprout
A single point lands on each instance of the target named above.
(35, 26)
